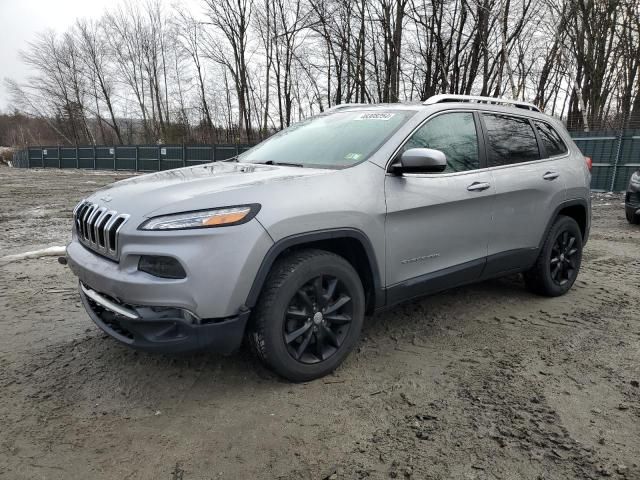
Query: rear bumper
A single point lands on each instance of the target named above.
(162, 331)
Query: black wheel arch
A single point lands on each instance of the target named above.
(350, 243)
(579, 210)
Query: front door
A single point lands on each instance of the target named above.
(438, 225)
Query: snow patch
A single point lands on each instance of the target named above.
(55, 251)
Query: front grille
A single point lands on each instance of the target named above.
(97, 228)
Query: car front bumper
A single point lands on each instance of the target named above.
(206, 309)
(166, 330)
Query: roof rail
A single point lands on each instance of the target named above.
(474, 98)
(340, 106)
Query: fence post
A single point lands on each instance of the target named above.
(614, 175)
(137, 158)
(77, 157)
(42, 157)
(184, 156)
(159, 158)
(213, 153)
(94, 157)
(59, 158)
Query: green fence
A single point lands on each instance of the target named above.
(615, 155)
(140, 158)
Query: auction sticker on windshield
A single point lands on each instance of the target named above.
(353, 156)
(376, 116)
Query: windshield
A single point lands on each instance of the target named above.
(336, 140)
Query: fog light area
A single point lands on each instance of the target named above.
(160, 266)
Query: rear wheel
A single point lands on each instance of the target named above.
(309, 315)
(632, 218)
(558, 263)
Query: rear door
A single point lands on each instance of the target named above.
(528, 186)
(437, 225)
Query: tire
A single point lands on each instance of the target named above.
(632, 218)
(558, 262)
(292, 332)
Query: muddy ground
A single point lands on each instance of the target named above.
(482, 382)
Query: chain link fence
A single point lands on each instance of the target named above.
(615, 155)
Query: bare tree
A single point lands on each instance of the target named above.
(95, 56)
(237, 70)
(232, 19)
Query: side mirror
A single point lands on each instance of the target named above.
(421, 160)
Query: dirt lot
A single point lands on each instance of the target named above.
(483, 382)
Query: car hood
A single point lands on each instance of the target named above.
(198, 187)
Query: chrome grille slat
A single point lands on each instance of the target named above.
(97, 228)
(85, 227)
(90, 224)
(118, 225)
(105, 230)
(77, 213)
(96, 225)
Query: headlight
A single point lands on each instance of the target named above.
(635, 178)
(217, 217)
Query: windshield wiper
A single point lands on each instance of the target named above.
(282, 164)
(231, 159)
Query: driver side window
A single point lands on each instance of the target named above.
(455, 135)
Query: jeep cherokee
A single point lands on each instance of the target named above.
(361, 207)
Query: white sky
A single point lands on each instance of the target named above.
(21, 20)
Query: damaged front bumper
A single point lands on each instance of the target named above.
(162, 329)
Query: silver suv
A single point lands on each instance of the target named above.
(362, 207)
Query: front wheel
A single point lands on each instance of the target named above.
(558, 263)
(309, 315)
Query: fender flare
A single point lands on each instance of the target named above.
(302, 238)
(569, 203)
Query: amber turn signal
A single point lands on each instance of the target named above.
(224, 218)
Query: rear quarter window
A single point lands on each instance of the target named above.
(550, 139)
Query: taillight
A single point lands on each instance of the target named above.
(589, 162)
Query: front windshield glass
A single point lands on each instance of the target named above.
(336, 140)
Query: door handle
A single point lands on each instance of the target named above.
(478, 186)
(551, 175)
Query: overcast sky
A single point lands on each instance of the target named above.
(21, 20)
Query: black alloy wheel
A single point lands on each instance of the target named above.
(309, 315)
(563, 256)
(559, 259)
(317, 319)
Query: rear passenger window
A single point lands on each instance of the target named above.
(551, 141)
(510, 140)
(454, 134)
